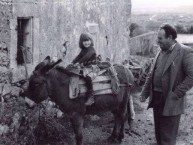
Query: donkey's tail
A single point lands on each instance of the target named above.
(130, 109)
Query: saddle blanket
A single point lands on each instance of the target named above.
(101, 85)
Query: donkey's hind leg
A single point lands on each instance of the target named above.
(123, 111)
(123, 118)
(77, 121)
(116, 128)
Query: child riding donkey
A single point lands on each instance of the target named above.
(85, 58)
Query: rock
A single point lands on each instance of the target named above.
(94, 118)
(1, 86)
(7, 97)
(51, 104)
(5, 74)
(3, 46)
(16, 121)
(191, 142)
(29, 102)
(59, 114)
(15, 91)
(180, 143)
(6, 90)
(3, 129)
(4, 59)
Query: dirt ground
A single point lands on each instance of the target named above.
(96, 132)
(98, 128)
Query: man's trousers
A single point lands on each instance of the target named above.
(166, 127)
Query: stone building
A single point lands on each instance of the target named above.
(144, 45)
(32, 29)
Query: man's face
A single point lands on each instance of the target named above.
(162, 41)
(86, 43)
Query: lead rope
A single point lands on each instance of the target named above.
(39, 112)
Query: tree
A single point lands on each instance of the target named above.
(191, 30)
(135, 30)
(180, 29)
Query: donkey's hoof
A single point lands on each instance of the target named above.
(119, 140)
(110, 139)
(113, 139)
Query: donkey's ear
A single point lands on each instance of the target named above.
(50, 66)
(47, 60)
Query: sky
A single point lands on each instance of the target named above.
(141, 6)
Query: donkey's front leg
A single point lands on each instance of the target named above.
(77, 124)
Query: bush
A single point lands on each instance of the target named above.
(180, 29)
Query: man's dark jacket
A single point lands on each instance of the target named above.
(179, 70)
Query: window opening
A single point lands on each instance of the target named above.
(24, 41)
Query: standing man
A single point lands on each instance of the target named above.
(170, 77)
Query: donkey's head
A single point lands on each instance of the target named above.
(37, 86)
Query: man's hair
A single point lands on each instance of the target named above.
(169, 30)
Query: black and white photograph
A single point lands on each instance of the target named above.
(96, 72)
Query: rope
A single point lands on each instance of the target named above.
(39, 112)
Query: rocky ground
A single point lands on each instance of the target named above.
(143, 127)
(22, 125)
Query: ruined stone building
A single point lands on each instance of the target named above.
(32, 29)
(144, 45)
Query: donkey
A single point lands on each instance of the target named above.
(49, 81)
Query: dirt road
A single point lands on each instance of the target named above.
(57, 131)
(96, 132)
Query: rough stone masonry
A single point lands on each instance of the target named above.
(42, 26)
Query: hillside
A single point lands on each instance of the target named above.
(151, 22)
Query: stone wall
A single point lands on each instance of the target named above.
(24, 9)
(144, 45)
(5, 16)
(57, 21)
(106, 20)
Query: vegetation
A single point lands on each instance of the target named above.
(151, 22)
(181, 29)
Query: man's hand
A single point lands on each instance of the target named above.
(142, 98)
